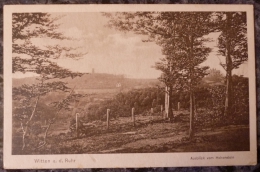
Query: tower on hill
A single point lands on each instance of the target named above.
(93, 70)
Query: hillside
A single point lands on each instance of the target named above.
(97, 81)
(110, 81)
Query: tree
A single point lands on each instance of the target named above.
(60, 105)
(28, 57)
(163, 28)
(28, 97)
(232, 44)
(215, 75)
(191, 51)
(170, 66)
(170, 75)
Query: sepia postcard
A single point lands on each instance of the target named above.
(116, 86)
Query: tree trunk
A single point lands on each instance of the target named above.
(47, 129)
(51, 122)
(191, 70)
(195, 108)
(45, 135)
(192, 111)
(25, 129)
(170, 113)
(166, 102)
(228, 98)
(229, 66)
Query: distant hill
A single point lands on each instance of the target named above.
(110, 81)
(20, 81)
(97, 81)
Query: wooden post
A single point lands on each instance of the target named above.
(179, 106)
(152, 112)
(162, 110)
(108, 113)
(133, 116)
(195, 109)
(77, 124)
(166, 101)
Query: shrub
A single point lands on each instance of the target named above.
(240, 108)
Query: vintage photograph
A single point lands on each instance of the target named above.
(130, 82)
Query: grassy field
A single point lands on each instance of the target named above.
(150, 134)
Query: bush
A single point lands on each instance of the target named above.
(213, 105)
(240, 108)
(120, 106)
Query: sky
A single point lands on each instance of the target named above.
(112, 51)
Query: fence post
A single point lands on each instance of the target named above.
(179, 106)
(133, 115)
(152, 112)
(77, 125)
(167, 101)
(162, 110)
(108, 113)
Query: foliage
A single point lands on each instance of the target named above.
(240, 108)
(232, 44)
(209, 102)
(141, 99)
(217, 97)
(233, 32)
(214, 76)
(211, 113)
(28, 57)
(180, 34)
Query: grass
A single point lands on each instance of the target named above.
(150, 135)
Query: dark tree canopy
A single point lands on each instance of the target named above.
(233, 29)
(181, 37)
(232, 44)
(43, 26)
(30, 57)
(180, 34)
